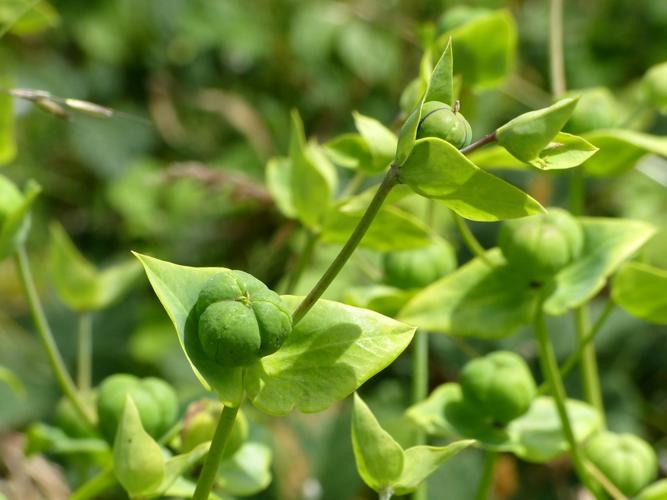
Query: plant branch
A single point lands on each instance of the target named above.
(302, 261)
(389, 181)
(486, 481)
(556, 56)
(589, 366)
(482, 141)
(85, 352)
(419, 393)
(46, 337)
(222, 432)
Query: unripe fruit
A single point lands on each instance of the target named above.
(440, 120)
(154, 398)
(200, 423)
(69, 420)
(540, 246)
(420, 267)
(597, 109)
(499, 386)
(626, 460)
(240, 320)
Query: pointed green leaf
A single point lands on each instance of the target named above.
(441, 85)
(477, 300)
(379, 458)
(392, 229)
(15, 214)
(137, 459)
(350, 151)
(655, 86)
(422, 461)
(496, 156)
(278, 175)
(383, 299)
(485, 49)
(619, 150)
(248, 471)
(608, 242)
(178, 287)
(312, 177)
(436, 169)
(7, 143)
(116, 280)
(328, 355)
(381, 141)
(564, 151)
(527, 135)
(408, 135)
(655, 491)
(641, 290)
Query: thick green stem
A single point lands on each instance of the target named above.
(390, 180)
(589, 365)
(214, 457)
(486, 481)
(556, 56)
(302, 261)
(46, 337)
(95, 486)
(469, 239)
(552, 375)
(419, 393)
(85, 352)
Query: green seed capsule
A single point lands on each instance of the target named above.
(420, 267)
(499, 386)
(440, 120)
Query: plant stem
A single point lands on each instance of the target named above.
(46, 337)
(486, 481)
(85, 352)
(96, 485)
(556, 57)
(214, 457)
(577, 190)
(482, 141)
(572, 360)
(551, 374)
(302, 262)
(385, 494)
(419, 393)
(589, 366)
(469, 239)
(389, 181)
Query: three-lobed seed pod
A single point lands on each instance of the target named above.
(626, 460)
(541, 245)
(155, 400)
(441, 120)
(239, 319)
(498, 386)
(418, 268)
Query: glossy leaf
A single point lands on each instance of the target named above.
(536, 436)
(564, 151)
(619, 150)
(383, 299)
(441, 84)
(477, 300)
(422, 461)
(15, 218)
(392, 229)
(641, 290)
(178, 287)
(485, 49)
(7, 143)
(332, 351)
(278, 174)
(438, 170)
(496, 156)
(248, 471)
(137, 459)
(380, 140)
(608, 242)
(528, 134)
(350, 151)
(378, 456)
(408, 135)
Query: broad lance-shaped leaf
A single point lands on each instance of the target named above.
(178, 287)
(619, 150)
(312, 177)
(436, 169)
(248, 471)
(378, 456)
(485, 48)
(351, 151)
(15, 214)
(482, 299)
(332, 351)
(536, 436)
(408, 135)
(392, 229)
(608, 242)
(528, 134)
(641, 290)
(278, 173)
(441, 85)
(380, 140)
(137, 459)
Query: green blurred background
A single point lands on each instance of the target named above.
(204, 89)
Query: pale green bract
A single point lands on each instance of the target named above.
(641, 290)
